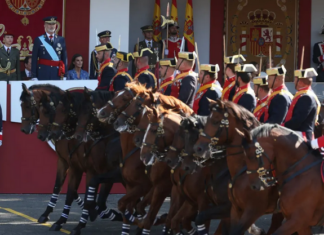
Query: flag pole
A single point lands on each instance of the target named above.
(302, 58)
(270, 60)
(119, 42)
(167, 16)
(198, 62)
(260, 66)
(224, 51)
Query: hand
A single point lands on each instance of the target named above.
(34, 79)
(64, 78)
(166, 52)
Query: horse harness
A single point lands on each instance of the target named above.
(51, 117)
(33, 119)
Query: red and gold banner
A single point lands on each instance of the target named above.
(174, 11)
(188, 28)
(157, 36)
(24, 18)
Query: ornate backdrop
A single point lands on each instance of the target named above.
(253, 25)
(25, 19)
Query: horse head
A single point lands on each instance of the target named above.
(120, 102)
(47, 112)
(29, 109)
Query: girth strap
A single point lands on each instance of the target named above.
(75, 148)
(123, 160)
(97, 141)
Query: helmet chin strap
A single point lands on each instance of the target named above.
(103, 57)
(118, 64)
(274, 80)
(203, 78)
(257, 91)
(179, 65)
(296, 84)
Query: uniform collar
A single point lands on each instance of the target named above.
(107, 61)
(168, 79)
(264, 98)
(5, 47)
(305, 88)
(186, 71)
(147, 41)
(279, 88)
(243, 87)
(207, 83)
(143, 69)
(232, 79)
(123, 70)
(48, 35)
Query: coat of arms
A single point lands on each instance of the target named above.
(25, 7)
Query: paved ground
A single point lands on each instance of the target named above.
(19, 213)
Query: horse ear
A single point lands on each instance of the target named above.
(154, 90)
(24, 87)
(152, 96)
(44, 96)
(86, 93)
(155, 112)
(220, 103)
(68, 95)
(211, 101)
(245, 134)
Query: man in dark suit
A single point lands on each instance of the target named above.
(9, 60)
(318, 58)
(104, 37)
(107, 70)
(49, 58)
(153, 46)
(26, 74)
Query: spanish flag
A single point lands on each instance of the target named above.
(188, 27)
(174, 11)
(157, 22)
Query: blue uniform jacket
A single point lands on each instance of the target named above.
(120, 82)
(232, 93)
(304, 116)
(212, 94)
(168, 90)
(188, 90)
(248, 101)
(107, 74)
(0, 119)
(148, 79)
(45, 72)
(278, 108)
(94, 64)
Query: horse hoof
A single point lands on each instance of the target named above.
(75, 232)
(138, 231)
(93, 214)
(256, 230)
(43, 219)
(56, 227)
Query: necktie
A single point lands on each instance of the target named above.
(8, 50)
(149, 45)
(51, 38)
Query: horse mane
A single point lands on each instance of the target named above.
(23, 96)
(248, 119)
(265, 131)
(103, 95)
(173, 103)
(137, 87)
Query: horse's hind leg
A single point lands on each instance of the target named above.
(184, 216)
(62, 167)
(75, 176)
(276, 222)
(295, 224)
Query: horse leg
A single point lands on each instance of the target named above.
(62, 167)
(186, 212)
(75, 176)
(276, 222)
(248, 217)
(305, 231)
(214, 212)
(223, 227)
(160, 192)
(140, 207)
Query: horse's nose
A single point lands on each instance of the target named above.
(198, 149)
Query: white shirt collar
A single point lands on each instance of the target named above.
(27, 72)
(7, 47)
(147, 41)
(48, 35)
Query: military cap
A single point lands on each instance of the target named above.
(245, 68)
(9, 33)
(277, 71)
(306, 73)
(235, 59)
(187, 55)
(105, 33)
(169, 62)
(50, 19)
(123, 56)
(211, 68)
(104, 47)
(143, 52)
(147, 28)
(261, 80)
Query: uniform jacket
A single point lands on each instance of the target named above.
(212, 93)
(94, 67)
(246, 99)
(119, 80)
(144, 76)
(45, 72)
(14, 59)
(107, 74)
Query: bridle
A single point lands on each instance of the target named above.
(116, 111)
(33, 119)
(160, 133)
(264, 174)
(131, 118)
(51, 116)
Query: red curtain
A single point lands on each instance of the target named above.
(25, 20)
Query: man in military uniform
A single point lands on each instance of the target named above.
(107, 70)
(208, 89)
(104, 37)
(9, 59)
(167, 69)
(148, 42)
(229, 84)
(173, 44)
(143, 75)
(318, 58)
(244, 94)
(121, 62)
(185, 83)
(280, 99)
(49, 58)
(305, 107)
(262, 92)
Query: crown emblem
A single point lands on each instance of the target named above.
(52, 19)
(261, 17)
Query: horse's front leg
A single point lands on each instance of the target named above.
(61, 171)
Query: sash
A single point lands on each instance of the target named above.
(239, 94)
(175, 89)
(227, 90)
(260, 109)
(165, 83)
(295, 100)
(49, 48)
(200, 93)
(273, 94)
(123, 73)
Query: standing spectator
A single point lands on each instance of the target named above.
(9, 59)
(26, 74)
(49, 53)
(76, 71)
(318, 59)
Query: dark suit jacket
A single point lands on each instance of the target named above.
(14, 58)
(107, 74)
(23, 76)
(157, 52)
(45, 72)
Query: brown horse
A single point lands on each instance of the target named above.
(30, 100)
(298, 173)
(247, 204)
